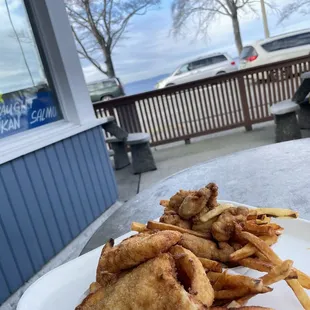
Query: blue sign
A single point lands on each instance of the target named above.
(27, 109)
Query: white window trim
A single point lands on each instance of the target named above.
(50, 21)
(29, 141)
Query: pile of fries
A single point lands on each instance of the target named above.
(224, 236)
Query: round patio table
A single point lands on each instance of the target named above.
(276, 175)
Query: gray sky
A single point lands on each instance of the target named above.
(148, 52)
(14, 74)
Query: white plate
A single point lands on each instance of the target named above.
(63, 287)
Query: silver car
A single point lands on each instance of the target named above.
(200, 68)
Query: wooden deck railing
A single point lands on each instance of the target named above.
(206, 106)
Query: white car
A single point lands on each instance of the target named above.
(200, 68)
(277, 48)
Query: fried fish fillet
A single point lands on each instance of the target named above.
(189, 265)
(207, 248)
(152, 285)
(135, 250)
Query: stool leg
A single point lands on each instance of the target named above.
(287, 127)
(121, 159)
(142, 158)
(304, 116)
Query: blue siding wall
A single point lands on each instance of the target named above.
(47, 198)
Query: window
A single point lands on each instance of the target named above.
(183, 69)
(27, 99)
(199, 63)
(108, 84)
(247, 52)
(217, 59)
(289, 42)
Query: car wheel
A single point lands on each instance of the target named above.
(169, 85)
(106, 98)
(221, 72)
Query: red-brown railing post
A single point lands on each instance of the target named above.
(244, 103)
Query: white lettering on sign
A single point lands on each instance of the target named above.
(6, 110)
(9, 124)
(43, 114)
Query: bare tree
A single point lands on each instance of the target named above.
(99, 25)
(297, 6)
(207, 11)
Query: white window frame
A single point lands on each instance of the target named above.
(50, 21)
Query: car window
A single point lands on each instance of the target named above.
(247, 52)
(92, 87)
(108, 84)
(217, 59)
(199, 63)
(183, 69)
(289, 42)
(101, 85)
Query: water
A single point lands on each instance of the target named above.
(143, 85)
(149, 84)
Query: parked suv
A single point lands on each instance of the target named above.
(200, 68)
(277, 48)
(105, 90)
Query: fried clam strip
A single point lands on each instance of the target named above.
(276, 274)
(274, 258)
(135, 250)
(173, 218)
(189, 265)
(194, 203)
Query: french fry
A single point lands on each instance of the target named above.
(300, 293)
(261, 256)
(220, 281)
(233, 281)
(239, 292)
(249, 249)
(264, 266)
(276, 274)
(211, 265)
(303, 279)
(274, 258)
(259, 230)
(139, 227)
(215, 212)
(262, 246)
(256, 264)
(163, 226)
(164, 203)
(274, 212)
(233, 304)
